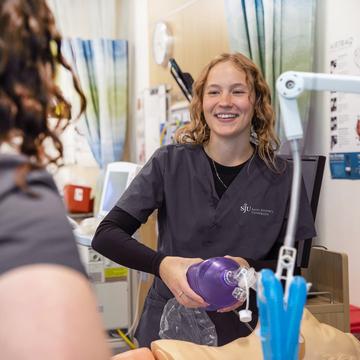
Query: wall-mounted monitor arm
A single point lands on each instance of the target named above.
(280, 317)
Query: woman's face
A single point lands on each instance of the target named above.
(228, 102)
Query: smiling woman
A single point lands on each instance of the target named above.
(220, 191)
(235, 84)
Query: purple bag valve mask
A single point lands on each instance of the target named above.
(220, 281)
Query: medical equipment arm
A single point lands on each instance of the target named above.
(289, 86)
(280, 317)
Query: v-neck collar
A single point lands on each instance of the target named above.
(237, 183)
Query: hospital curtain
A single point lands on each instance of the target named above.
(101, 65)
(278, 35)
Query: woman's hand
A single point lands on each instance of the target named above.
(173, 273)
(243, 263)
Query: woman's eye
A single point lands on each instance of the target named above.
(213, 92)
(239, 92)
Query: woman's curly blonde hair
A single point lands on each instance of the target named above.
(263, 123)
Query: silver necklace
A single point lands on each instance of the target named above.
(217, 175)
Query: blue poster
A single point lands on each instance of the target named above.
(345, 165)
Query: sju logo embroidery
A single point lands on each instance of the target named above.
(245, 208)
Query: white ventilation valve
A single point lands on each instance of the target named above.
(245, 315)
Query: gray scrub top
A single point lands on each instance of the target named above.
(33, 229)
(193, 222)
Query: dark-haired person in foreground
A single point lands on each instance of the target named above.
(47, 308)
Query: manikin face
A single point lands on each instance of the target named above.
(228, 103)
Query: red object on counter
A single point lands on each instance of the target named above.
(354, 319)
(77, 199)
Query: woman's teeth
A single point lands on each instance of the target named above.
(226, 116)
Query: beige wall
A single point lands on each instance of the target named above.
(338, 215)
(199, 33)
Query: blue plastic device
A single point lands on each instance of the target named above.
(279, 321)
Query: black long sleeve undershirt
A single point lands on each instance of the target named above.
(113, 239)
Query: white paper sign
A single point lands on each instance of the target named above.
(345, 112)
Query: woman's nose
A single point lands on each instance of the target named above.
(225, 99)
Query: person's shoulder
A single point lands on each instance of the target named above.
(42, 185)
(38, 205)
(172, 151)
(279, 163)
(39, 178)
(282, 165)
(181, 149)
(9, 163)
(279, 169)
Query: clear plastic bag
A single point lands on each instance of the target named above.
(181, 323)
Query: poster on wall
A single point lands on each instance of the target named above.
(345, 112)
(155, 113)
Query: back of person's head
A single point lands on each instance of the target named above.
(263, 122)
(30, 51)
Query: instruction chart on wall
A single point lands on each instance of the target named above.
(179, 116)
(345, 112)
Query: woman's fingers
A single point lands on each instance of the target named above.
(241, 261)
(173, 272)
(190, 298)
(187, 302)
(231, 308)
